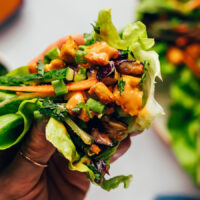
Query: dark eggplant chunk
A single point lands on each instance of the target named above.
(130, 67)
(115, 129)
(108, 74)
(106, 71)
(101, 138)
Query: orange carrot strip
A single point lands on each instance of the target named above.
(81, 85)
(45, 94)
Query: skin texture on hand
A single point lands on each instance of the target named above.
(21, 180)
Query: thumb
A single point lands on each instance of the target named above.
(36, 146)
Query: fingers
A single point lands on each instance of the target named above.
(75, 184)
(22, 171)
(123, 148)
(79, 39)
(135, 133)
(36, 146)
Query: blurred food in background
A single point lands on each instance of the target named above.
(175, 24)
(8, 10)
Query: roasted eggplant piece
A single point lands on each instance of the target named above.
(115, 129)
(101, 138)
(130, 67)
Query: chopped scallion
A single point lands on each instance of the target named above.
(59, 87)
(95, 105)
(80, 57)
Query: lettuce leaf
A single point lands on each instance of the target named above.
(5, 96)
(8, 126)
(134, 38)
(82, 167)
(116, 181)
(57, 134)
(15, 126)
(133, 34)
(11, 105)
(20, 71)
(153, 109)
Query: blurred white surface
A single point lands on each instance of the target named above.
(149, 160)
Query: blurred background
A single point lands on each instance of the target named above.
(164, 161)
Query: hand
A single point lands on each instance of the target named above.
(24, 181)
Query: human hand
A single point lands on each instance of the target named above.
(23, 180)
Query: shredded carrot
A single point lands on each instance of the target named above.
(48, 89)
(95, 149)
(45, 94)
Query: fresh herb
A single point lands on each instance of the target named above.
(80, 57)
(82, 106)
(107, 153)
(40, 67)
(146, 63)
(30, 78)
(97, 174)
(58, 111)
(121, 84)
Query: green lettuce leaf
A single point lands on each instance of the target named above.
(153, 109)
(11, 105)
(116, 181)
(15, 126)
(133, 34)
(57, 134)
(82, 167)
(5, 96)
(8, 126)
(20, 71)
(134, 38)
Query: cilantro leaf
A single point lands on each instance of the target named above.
(121, 84)
(40, 67)
(58, 111)
(97, 174)
(82, 106)
(146, 63)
